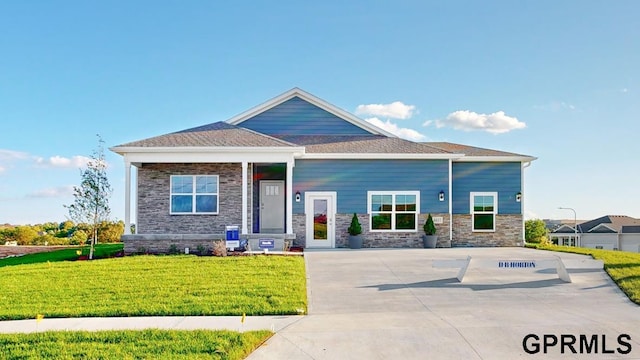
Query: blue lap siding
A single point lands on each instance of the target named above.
(503, 178)
(298, 117)
(351, 179)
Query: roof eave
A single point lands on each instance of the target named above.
(506, 158)
(385, 156)
(122, 150)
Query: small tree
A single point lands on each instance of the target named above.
(355, 228)
(91, 198)
(429, 227)
(535, 231)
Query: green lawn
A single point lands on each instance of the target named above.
(71, 254)
(155, 285)
(145, 344)
(622, 266)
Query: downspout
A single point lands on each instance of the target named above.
(523, 198)
(450, 201)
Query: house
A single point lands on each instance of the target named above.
(611, 232)
(297, 168)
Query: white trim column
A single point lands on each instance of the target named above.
(290, 165)
(245, 198)
(127, 197)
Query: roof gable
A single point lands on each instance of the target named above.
(564, 229)
(297, 112)
(601, 229)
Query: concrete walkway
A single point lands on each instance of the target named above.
(392, 304)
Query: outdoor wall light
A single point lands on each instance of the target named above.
(518, 196)
(441, 195)
(297, 196)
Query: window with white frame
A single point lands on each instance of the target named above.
(194, 194)
(484, 207)
(393, 210)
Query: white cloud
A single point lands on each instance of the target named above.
(59, 191)
(2, 169)
(395, 110)
(496, 123)
(404, 133)
(7, 155)
(77, 161)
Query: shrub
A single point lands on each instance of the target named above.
(429, 227)
(355, 228)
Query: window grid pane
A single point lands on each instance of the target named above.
(181, 185)
(394, 212)
(193, 194)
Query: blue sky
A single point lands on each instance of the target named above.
(558, 80)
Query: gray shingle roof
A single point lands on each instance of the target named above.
(616, 222)
(219, 134)
(469, 150)
(374, 144)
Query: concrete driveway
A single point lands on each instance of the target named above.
(392, 304)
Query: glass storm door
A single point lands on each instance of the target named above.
(320, 209)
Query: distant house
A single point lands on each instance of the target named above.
(298, 168)
(612, 232)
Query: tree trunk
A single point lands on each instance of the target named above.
(93, 241)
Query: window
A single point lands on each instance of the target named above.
(393, 210)
(484, 207)
(194, 194)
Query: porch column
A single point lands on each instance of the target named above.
(127, 197)
(245, 229)
(290, 165)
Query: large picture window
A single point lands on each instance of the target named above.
(393, 210)
(484, 207)
(194, 194)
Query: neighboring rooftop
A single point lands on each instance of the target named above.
(615, 222)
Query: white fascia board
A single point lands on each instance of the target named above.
(312, 99)
(379, 156)
(514, 158)
(602, 225)
(208, 154)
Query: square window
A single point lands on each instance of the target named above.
(393, 211)
(194, 194)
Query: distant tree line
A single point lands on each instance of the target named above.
(64, 233)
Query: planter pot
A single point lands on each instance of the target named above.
(430, 241)
(355, 241)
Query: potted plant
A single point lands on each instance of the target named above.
(430, 239)
(355, 231)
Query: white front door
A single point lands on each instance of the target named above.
(320, 210)
(272, 206)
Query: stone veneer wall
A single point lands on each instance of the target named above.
(161, 244)
(376, 239)
(508, 232)
(154, 192)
